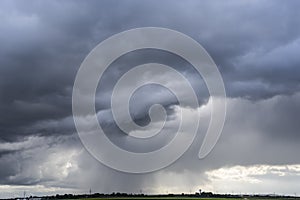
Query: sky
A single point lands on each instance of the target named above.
(254, 43)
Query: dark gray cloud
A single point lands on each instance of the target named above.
(254, 43)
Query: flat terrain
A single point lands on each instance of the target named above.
(160, 198)
(179, 198)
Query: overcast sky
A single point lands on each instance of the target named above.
(255, 45)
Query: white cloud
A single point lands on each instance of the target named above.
(255, 179)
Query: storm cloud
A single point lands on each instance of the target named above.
(255, 45)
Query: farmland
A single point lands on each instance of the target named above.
(187, 198)
(190, 198)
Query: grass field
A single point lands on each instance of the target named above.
(162, 198)
(179, 198)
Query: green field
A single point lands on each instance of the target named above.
(160, 198)
(179, 198)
